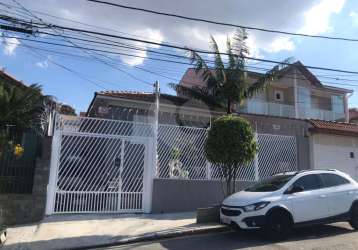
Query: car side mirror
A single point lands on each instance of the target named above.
(295, 189)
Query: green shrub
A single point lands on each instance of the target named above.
(230, 145)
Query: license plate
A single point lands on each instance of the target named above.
(226, 220)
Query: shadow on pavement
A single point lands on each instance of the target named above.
(223, 241)
(245, 239)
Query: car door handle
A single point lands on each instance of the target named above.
(322, 196)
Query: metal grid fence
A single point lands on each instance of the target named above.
(181, 155)
(17, 172)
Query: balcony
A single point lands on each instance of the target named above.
(284, 110)
(320, 114)
(268, 108)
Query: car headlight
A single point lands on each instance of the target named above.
(256, 206)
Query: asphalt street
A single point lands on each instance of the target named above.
(339, 236)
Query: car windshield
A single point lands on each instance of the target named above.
(270, 184)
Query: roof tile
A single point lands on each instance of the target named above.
(339, 128)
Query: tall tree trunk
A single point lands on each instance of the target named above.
(228, 111)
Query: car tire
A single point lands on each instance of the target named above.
(354, 216)
(278, 225)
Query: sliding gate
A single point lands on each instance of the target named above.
(100, 165)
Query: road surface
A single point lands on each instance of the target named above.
(338, 236)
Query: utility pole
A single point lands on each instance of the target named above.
(156, 122)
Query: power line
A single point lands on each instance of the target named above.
(85, 51)
(79, 75)
(198, 51)
(222, 23)
(177, 62)
(121, 53)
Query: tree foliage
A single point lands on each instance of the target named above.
(227, 80)
(19, 106)
(65, 109)
(230, 145)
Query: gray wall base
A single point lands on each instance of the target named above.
(173, 195)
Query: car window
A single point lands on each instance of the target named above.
(308, 182)
(332, 180)
(270, 184)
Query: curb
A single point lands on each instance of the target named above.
(159, 236)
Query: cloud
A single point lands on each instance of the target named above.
(42, 64)
(10, 45)
(150, 34)
(317, 19)
(45, 63)
(280, 44)
(309, 16)
(354, 16)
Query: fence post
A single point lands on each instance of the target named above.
(256, 160)
(151, 168)
(55, 156)
(156, 124)
(208, 170)
(148, 175)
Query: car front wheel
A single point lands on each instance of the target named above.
(278, 225)
(354, 216)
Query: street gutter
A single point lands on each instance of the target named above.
(159, 236)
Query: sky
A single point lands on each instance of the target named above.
(316, 17)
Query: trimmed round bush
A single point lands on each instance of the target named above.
(231, 141)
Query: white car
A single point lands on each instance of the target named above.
(293, 199)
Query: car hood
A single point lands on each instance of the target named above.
(244, 198)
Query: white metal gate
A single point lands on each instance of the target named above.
(100, 165)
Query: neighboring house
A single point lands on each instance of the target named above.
(11, 81)
(139, 107)
(334, 145)
(353, 115)
(297, 94)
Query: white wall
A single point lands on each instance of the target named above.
(333, 152)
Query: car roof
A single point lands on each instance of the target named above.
(316, 171)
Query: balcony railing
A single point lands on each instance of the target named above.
(284, 110)
(320, 114)
(269, 108)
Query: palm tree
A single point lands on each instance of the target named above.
(227, 81)
(19, 107)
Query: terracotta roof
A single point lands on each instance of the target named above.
(192, 79)
(353, 113)
(12, 79)
(133, 95)
(149, 97)
(338, 128)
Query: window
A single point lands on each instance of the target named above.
(309, 182)
(337, 103)
(278, 95)
(332, 180)
(304, 97)
(270, 184)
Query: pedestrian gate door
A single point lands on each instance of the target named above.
(99, 165)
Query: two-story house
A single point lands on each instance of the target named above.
(297, 94)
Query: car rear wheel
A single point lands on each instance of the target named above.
(278, 225)
(354, 216)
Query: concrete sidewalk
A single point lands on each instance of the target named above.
(76, 231)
